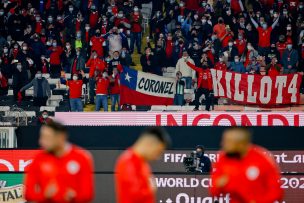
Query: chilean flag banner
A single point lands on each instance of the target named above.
(139, 88)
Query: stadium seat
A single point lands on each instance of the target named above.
(48, 108)
(54, 100)
(53, 81)
(174, 108)
(46, 75)
(171, 70)
(5, 108)
(158, 108)
(187, 108)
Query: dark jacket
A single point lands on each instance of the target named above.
(46, 91)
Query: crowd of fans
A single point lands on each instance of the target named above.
(95, 36)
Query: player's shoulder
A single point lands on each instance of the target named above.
(263, 154)
(81, 153)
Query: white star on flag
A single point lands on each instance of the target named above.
(127, 77)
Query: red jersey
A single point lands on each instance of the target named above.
(169, 48)
(264, 36)
(132, 179)
(281, 47)
(235, 6)
(220, 66)
(93, 19)
(240, 45)
(73, 170)
(95, 64)
(115, 87)
(102, 86)
(204, 77)
(55, 55)
(75, 88)
(274, 70)
(136, 25)
(254, 177)
(96, 43)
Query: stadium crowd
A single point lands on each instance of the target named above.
(95, 36)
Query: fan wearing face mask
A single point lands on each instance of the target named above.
(75, 91)
(264, 34)
(290, 59)
(41, 89)
(20, 77)
(102, 91)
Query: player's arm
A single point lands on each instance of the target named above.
(32, 188)
(85, 192)
(273, 183)
(135, 188)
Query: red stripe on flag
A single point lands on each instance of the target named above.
(129, 96)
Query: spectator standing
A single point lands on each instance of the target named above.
(41, 89)
(237, 66)
(115, 89)
(273, 69)
(102, 91)
(125, 57)
(55, 59)
(254, 67)
(147, 61)
(75, 91)
(180, 87)
(20, 78)
(136, 29)
(96, 65)
(264, 35)
(3, 85)
(290, 59)
(78, 62)
(204, 85)
(96, 43)
(187, 73)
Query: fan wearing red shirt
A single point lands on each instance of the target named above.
(133, 177)
(273, 69)
(96, 65)
(264, 35)
(247, 172)
(204, 84)
(115, 89)
(220, 65)
(62, 172)
(96, 43)
(55, 60)
(102, 91)
(75, 92)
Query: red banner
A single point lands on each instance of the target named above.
(257, 89)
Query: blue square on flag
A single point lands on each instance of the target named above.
(129, 77)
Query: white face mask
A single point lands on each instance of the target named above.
(249, 47)
(45, 116)
(5, 51)
(68, 46)
(237, 60)
(75, 77)
(221, 59)
(230, 44)
(39, 75)
(289, 46)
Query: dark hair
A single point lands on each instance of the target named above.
(57, 127)
(247, 131)
(159, 133)
(200, 147)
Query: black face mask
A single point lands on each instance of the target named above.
(199, 154)
(234, 155)
(97, 34)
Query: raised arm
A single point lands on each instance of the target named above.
(29, 85)
(254, 22)
(275, 22)
(241, 5)
(192, 66)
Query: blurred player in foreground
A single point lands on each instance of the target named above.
(133, 174)
(245, 171)
(62, 172)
